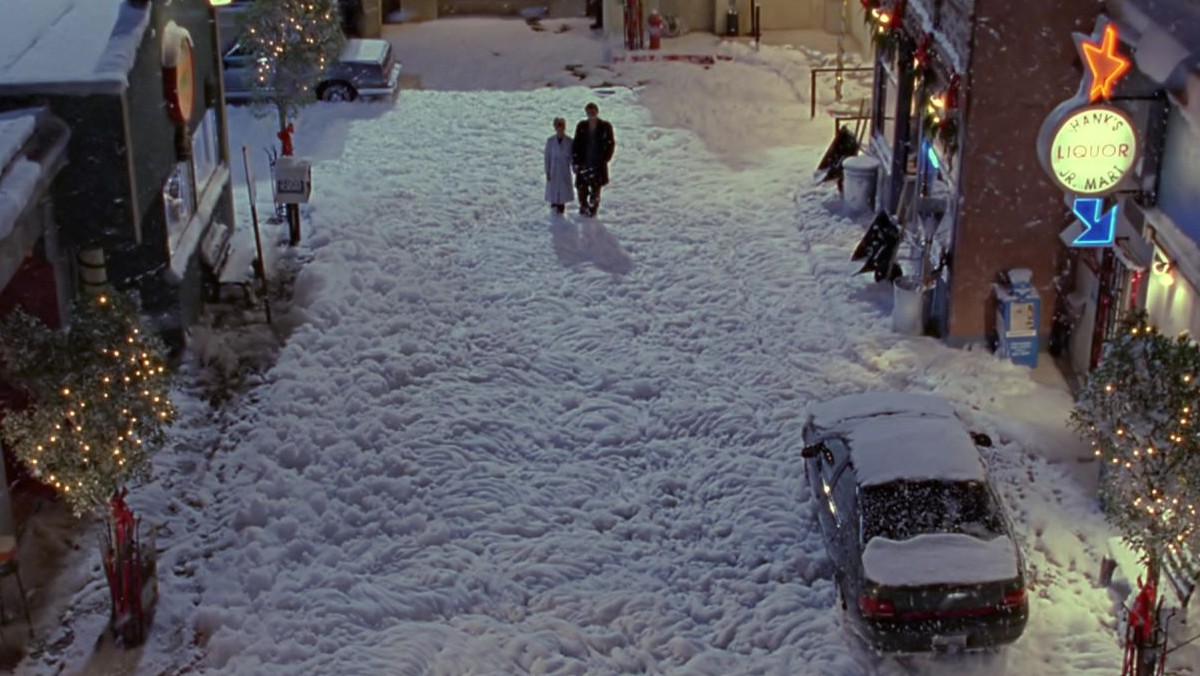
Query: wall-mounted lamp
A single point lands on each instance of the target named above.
(1164, 270)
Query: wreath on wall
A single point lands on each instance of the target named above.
(885, 20)
(923, 59)
(940, 116)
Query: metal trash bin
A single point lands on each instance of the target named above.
(908, 306)
(861, 173)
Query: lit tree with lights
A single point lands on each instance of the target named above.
(291, 41)
(99, 408)
(1140, 409)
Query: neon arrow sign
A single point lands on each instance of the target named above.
(1099, 229)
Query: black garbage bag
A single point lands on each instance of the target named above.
(844, 145)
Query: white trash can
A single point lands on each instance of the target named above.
(860, 174)
(908, 307)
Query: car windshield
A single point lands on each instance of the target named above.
(899, 510)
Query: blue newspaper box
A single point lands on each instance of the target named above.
(1018, 310)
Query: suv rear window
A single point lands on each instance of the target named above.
(899, 510)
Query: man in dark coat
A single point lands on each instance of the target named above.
(591, 152)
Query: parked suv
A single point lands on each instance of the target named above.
(365, 69)
(922, 549)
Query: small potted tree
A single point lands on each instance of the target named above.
(100, 407)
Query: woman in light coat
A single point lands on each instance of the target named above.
(560, 187)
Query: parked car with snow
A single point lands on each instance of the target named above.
(365, 69)
(923, 552)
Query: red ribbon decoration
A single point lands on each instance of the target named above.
(922, 53)
(952, 93)
(1141, 616)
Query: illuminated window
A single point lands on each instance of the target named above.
(204, 149)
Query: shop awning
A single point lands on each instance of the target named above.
(1130, 247)
(32, 149)
(1182, 250)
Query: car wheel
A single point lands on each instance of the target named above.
(337, 92)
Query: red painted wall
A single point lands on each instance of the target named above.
(1023, 64)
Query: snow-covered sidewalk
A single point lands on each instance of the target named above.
(504, 442)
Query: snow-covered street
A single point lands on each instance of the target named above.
(500, 441)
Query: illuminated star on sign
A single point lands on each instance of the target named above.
(1105, 66)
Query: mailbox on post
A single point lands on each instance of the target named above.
(293, 180)
(1018, 310)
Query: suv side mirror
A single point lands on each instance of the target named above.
(981, 439)
(813, 451)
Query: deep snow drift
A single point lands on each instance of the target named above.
(502, 442)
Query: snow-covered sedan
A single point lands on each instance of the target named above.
(923, 552)
(366, 69)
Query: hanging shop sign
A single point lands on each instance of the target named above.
(1092, 150)
(178, 71)
(1088, 146)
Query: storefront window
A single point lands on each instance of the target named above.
(891, 88)
(204, 149)
(179, 202)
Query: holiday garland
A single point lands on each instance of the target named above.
(887, 25)
(99, 398)
(939, 116)
(940, 110)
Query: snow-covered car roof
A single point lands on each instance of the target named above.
(899, 436)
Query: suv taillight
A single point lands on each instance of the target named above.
(1014, 598)
(870, 606)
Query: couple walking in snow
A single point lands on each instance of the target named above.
(586, 156)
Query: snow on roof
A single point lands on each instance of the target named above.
(900, 435)
(16, 128)
(939, 558)
(364, 51)
(69, 46)
(18, 176)
(17, 184)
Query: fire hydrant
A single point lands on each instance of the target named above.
(656, 27)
